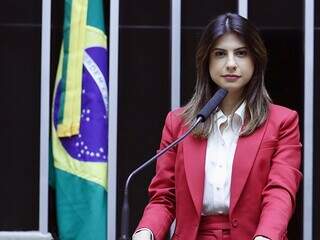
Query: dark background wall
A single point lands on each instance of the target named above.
(20, 46)
(144, 93)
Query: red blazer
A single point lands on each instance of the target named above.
(265, 179)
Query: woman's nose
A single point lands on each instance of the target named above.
(231, 63)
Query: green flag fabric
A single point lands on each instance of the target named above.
(80, 124)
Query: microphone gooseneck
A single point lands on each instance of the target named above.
(201, 117)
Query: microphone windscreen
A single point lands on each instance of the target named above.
(212, 104)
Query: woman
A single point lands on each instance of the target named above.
(237, 176)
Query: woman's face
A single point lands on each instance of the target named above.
(231, 65)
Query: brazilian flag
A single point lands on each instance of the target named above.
(80, 124)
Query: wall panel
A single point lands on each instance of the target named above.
(20, 45)
(143, 94)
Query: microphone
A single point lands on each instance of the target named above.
(212, 104)
(201, 117)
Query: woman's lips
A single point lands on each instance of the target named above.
(231, 77)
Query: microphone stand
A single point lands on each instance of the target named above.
(125, 207)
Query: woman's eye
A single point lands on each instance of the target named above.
(219, 53)
(242, 53)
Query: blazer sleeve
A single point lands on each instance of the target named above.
(160, 212)
(279, 194)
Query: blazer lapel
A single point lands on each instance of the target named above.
(194, 151)
(246, 151)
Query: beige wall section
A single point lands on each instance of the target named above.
(25, 235)
(113, 117)
(308, 120)
(175, 53)
(44, 117)
(243, 8)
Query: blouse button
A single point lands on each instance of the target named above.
(234, 222)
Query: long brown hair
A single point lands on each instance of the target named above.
(255, 94)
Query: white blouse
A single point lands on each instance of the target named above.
(222, 143)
